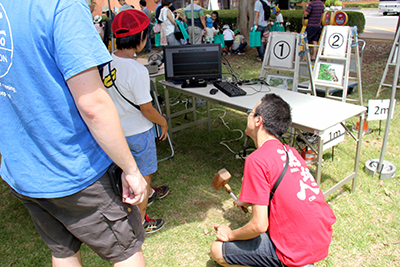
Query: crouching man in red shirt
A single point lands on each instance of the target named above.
(292, 228)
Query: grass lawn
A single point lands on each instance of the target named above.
(367, 231)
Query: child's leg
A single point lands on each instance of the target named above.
(143, 205)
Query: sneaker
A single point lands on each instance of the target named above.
(152, 225)
(241, 53)
(159, 193)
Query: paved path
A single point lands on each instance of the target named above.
(378, 26)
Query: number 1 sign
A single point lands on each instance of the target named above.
(282, 50)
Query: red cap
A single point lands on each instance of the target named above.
(130, 22)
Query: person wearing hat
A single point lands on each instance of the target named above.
(55, 154)
(107, 25)
(277, 12)
(98, 25)
(228, 38)
(211, 31)
(130, 90)
(238, 43)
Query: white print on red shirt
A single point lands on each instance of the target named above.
(294, 165)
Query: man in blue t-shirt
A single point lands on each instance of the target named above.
(61, 131)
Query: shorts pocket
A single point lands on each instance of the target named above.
(124, 224)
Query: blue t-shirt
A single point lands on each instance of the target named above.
(47, 149)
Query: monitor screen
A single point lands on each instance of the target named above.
(193, 62)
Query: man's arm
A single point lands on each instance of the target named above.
(203, 22)
(304, 5)
(101, 116)
(257, 225)
(257, 16)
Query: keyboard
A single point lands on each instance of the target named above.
(229, 89)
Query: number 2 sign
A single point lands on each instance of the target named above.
(336, 41)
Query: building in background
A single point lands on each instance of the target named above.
(208, 4)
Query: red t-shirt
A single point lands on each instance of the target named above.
(300, 221)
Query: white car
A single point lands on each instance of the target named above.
(389, 6)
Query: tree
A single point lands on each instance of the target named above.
(245, 18)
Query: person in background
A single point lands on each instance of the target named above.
(261, 22)
(124, 5)
(211, 31)
(228, 38)
(239, 43)
(56, 153)
(195, 31)
(292, 227)
(168, 19)
(277, 12)
(158, 8)
(107, 25)
(215, 19)
(130, 79)
(314, 12)
(146, 11)
(98, 25)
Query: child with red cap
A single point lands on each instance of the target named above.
(130, 91)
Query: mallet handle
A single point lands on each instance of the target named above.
(229, 190)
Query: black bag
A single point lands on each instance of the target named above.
(115, 173)
(267, 10)
(177, 32)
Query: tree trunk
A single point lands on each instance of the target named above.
(245, 18)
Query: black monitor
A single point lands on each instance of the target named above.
(193, 64)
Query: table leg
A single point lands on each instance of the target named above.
(168, 110)
(359, 142)
(319, 157)
(208, 116)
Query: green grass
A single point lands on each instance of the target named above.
(366, 232)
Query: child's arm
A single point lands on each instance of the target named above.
(153, 115)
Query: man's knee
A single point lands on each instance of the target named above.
(216, 252)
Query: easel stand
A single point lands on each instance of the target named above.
(393, 61)
(332, 65)
(158, 107)
(283, 54)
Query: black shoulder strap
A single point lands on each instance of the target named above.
(272, 193)
(116, 88)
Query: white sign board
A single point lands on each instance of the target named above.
(282, 50)
(336, 41)
(378, 109)
(333, 136)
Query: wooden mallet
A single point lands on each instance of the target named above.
(221, 180)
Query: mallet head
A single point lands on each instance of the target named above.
(220, 179)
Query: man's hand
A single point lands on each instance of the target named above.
(241, 204)
(134, 188)
(223, 232)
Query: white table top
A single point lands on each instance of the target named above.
(144, 61)
(309, 113)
